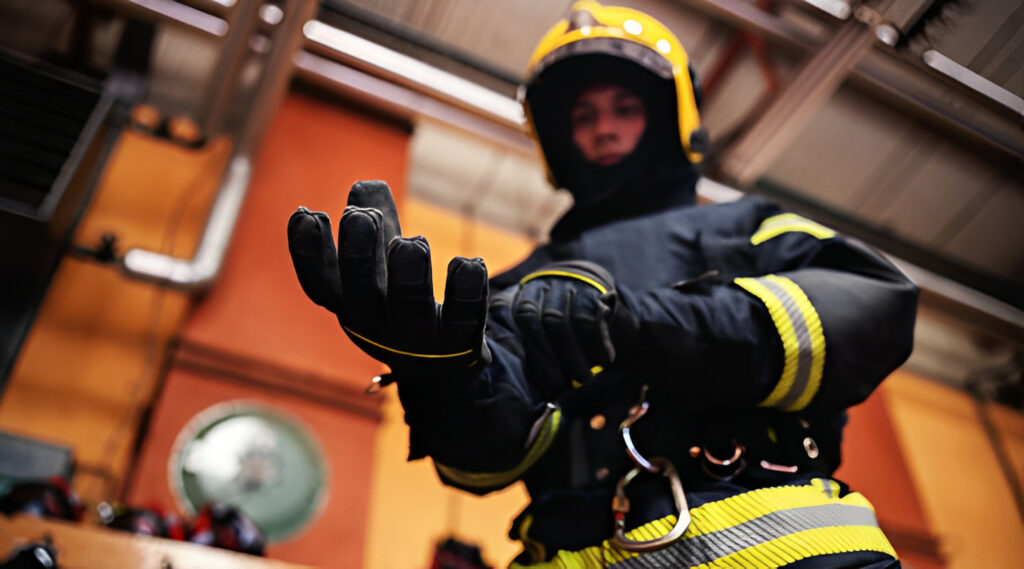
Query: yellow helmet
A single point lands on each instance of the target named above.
(619, 35)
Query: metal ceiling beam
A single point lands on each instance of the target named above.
(793, 109)
(900, 81)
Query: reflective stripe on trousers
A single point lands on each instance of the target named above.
(764, 528)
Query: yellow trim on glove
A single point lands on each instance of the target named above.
(567, 274)
(403, 353)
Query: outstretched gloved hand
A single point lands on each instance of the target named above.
(379, 285)
(571, 322)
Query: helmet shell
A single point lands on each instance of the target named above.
(595, 32)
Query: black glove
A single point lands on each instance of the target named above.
(379, 285)
(570, 321)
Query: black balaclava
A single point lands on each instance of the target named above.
(655, 176)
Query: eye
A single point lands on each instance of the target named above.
(629, 108)
(582, 117)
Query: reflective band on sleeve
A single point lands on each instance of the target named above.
(803, 340)
(541, 442)
(565, 274)
(765, 528)
(787, 222)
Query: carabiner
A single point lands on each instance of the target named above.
(620, 506)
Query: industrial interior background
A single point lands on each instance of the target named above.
(153, 336)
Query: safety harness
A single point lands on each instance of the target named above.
(760, 528)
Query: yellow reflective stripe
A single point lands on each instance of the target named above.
(400, 352)
(805, 539)
(787, 222)
(566, 274)
(802, 336)
(494, 479)
(784, 326)
(817, 339)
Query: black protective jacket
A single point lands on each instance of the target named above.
(757, 329)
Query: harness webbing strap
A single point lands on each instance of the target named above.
(763, 528)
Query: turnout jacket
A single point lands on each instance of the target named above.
(757, 329)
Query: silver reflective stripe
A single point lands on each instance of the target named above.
(694, 551)
(805, 351)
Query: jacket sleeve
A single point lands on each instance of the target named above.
(486, 427)
(797, 318)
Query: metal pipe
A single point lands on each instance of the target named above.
(417, 39)
(201, 270)
(957, 72)
(196, 18)
(403, 69)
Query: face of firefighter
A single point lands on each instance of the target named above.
(607, 123)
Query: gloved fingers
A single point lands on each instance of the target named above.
(561, 335)
(311, 245)
(544, 369)
(363, 268)
(464, 311)
(590, 322)
(412, 310)
(375, 194)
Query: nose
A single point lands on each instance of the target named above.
(604, 124)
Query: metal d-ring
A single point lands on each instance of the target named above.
(736, 461)
(635, 412)
(620, 506)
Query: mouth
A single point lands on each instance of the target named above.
(608, 158)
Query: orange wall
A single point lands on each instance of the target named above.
(964, 494)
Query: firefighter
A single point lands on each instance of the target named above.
(669, 381)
